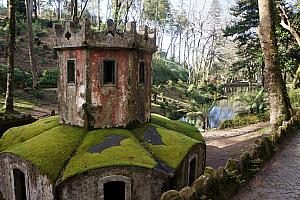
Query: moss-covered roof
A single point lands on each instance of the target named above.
(62, 151)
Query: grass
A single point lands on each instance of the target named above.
(174, 148)
(51, 149)
(175, 125)
(21, 134)
(130, 152)
(19, 104)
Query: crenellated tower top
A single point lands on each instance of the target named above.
(81, 35)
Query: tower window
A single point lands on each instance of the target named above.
(109, 72)
(71, 71)
(19, 185)
(142, 72)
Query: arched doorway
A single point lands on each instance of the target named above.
(19, 185)
(114, 190)
(192, 171)
(115, 187)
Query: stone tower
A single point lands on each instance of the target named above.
(105, 77)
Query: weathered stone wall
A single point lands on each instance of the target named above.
(146, 184)
(180, 179)
(109, 102)
(72, 97)
(37, 185)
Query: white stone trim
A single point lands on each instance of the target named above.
(193, 156)
(23, 169)
(122, 178)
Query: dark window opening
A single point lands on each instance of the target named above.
(19, 184)
(114, 190)
(109, 72)
(142, 72)
(71, 71)
(192, 171)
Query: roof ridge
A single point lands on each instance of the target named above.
(67, 161)
(160, 164)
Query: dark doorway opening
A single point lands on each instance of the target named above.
(114, 190)
(192, 171)
(19, 183)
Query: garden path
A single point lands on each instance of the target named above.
(279, 178)
(229, 143)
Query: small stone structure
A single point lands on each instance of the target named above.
(105, 81)
(105, 77)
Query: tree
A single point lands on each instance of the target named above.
(280, 107)
(29, 5)
(9, 105)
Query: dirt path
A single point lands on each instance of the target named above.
(279, 178)
(224, 144)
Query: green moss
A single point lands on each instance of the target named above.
(20, 134)
(178, 126)
(51, 149)
(130, 152)
(174, 148)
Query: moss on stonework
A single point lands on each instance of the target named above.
(175, 125)
(62, 151)
(130, 152)
(21, 134)
(51, 149)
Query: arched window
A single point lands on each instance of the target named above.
(115, 187)
(192, 170)
(19, 184)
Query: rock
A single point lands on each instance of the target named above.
(171, 195)
(188, 193)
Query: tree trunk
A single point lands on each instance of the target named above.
(280, 107)
(35, 9)
(9, 105)
(31, 46)
(74, 10)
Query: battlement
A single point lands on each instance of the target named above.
(82, 36)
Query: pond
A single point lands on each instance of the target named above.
(223, 110)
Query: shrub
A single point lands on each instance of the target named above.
(21, 78)
(49, 78)
(294, 97)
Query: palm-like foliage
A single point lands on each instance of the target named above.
(256, 102)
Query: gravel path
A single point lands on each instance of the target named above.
(280, 177)
(224, 144)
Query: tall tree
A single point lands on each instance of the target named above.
(280, 107)
(9, 105)
(29, 6)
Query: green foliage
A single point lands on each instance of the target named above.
(157, 11)
(239, 121)
(295, 97)
(256, 102)
(21, 78)
(49, 78)
(38, 29)
(164, 70)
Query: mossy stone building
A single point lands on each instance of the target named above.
(53, 159)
